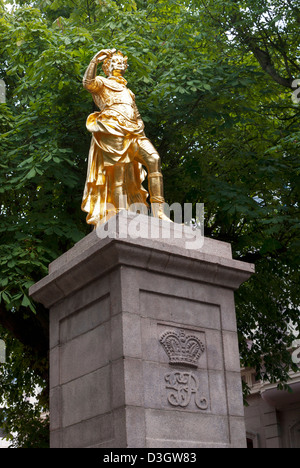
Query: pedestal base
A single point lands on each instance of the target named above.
(143, 344)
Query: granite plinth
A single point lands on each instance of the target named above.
(112, 383)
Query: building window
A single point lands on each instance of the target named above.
(252, 439)
(295, 435)
(250, 443)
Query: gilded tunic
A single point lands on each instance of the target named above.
(118, 132)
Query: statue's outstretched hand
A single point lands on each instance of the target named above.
(103, 54)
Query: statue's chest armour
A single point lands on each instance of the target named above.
(111, 97)
(113, 93)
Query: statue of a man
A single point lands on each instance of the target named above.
(119, 149)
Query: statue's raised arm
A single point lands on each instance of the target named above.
(120, 152)
(91, 70)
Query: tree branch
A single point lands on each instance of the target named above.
(262, 56)
(31, 331)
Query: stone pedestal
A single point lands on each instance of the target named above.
(143, 342)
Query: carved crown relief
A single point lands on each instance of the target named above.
(182, 349)
(183, 387)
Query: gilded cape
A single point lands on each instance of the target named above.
(117, 132)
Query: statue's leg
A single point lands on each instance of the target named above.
(148, 157)
(118, 196)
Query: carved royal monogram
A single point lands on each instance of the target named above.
(181, 386)
(182, 349)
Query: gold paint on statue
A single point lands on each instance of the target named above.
(119, 149)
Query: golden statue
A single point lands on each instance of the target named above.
(119, 149)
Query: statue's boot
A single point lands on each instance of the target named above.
(156, 195)
(119, 199)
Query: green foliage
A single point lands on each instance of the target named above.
(213, 84)
(24, 407)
